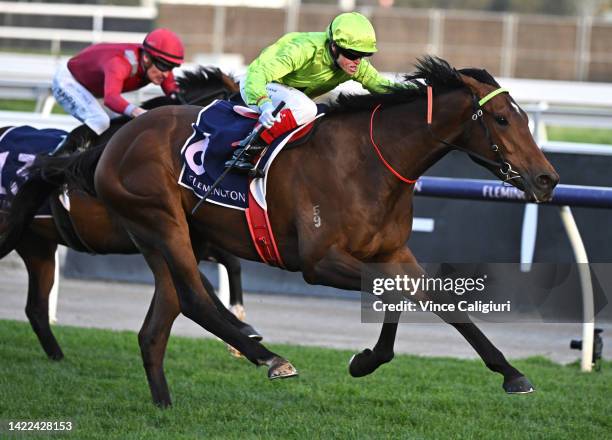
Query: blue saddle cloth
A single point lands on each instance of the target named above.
(18, 148)
(209, 147)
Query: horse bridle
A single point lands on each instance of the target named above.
(478, 112)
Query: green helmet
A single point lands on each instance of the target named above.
(353, 31)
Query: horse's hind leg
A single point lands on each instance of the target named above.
(232, 264)
(155, 331)
(169, 236)
(38, 255)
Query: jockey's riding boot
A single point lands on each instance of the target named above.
(80, 137)
(245, 156)
(266, 137)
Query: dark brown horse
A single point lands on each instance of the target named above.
(364, 209)
(89, 227)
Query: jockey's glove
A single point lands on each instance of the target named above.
(138, 111)
(266, 118)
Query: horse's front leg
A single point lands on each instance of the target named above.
(341, 270)
(39, 257)
(404, 263)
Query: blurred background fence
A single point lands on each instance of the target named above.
(508, 44)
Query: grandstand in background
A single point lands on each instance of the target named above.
(508, 45)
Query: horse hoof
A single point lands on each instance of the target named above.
(56, 356)
(281, 369)
(163, 403)
(518, 385)
(366, 362)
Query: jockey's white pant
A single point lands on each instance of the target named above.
(78, 101)
(303, 108)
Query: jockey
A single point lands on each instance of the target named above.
(107, 70)
(304, 65)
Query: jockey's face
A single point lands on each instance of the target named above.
(349, 66)
(155, 75)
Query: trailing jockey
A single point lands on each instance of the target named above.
(106, 71)
(301, 66)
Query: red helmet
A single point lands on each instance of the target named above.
(165, 44)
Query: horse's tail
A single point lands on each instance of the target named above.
(45, 176)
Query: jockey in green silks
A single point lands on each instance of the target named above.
(301, 66)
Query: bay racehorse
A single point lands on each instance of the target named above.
(358, 170)
(89, 227)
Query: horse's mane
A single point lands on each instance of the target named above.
(434, 71)
(205, 79)
(204, 76)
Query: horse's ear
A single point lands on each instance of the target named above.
(474, 85)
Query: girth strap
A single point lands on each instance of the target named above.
(65, 226)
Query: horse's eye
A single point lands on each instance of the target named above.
(501, 120)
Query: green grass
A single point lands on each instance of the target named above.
(584, 135)
(25, 105)
(101, 387)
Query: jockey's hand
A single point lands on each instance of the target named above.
(266, 118)
(138, 111)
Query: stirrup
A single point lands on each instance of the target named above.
(241, 166)
(256, 173)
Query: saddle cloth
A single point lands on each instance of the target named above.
(18, 149)
(204, 154)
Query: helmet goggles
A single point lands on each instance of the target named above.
(353, 54)
(163, 65)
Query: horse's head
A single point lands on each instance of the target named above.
(500, 139)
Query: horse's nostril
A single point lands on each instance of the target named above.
(546, 181)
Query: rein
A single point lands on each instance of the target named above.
(504, 166)
(382, 159)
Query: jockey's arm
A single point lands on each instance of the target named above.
(115, 73)
(373, 81)
(276, 61)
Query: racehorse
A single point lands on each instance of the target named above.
(89, 227)
(358, 170)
